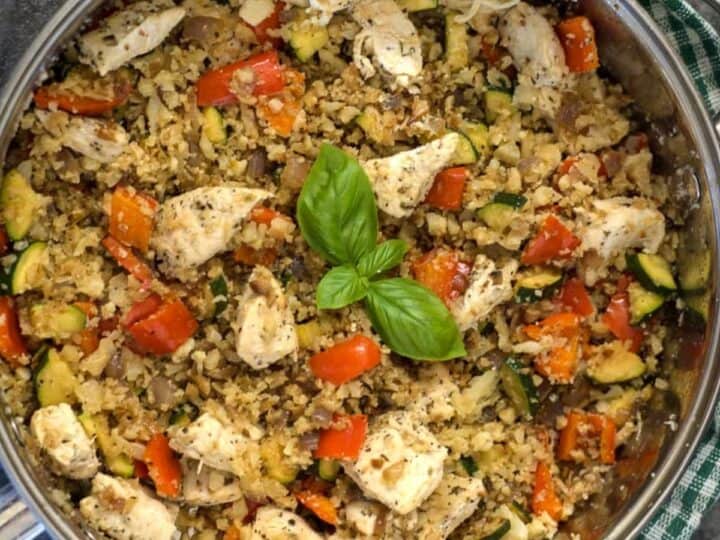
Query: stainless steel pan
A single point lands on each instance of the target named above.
(634, 51)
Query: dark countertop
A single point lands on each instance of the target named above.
(20, 20)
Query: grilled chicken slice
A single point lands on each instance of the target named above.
(272, 523)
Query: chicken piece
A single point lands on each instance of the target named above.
(454, 500)
(273, 523)
(265, 327)
(193, 227)
(363, 516)
(391, 36)
(206, 486)
(613, 227)
(489, 287)
(126, 34)
(535, 48)
(207, 440)
(402, 181)
(101, 140)
(61, 435)
(400, 463)
(125, 511)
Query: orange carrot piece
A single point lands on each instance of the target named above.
(544, 498)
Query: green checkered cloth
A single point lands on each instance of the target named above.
(699, 46)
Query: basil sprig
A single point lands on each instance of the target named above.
(338, 218)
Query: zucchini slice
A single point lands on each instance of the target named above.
(698, 307)
(24, 274)
(694, 270)
(117, 462)
(214, 126)
(477, 134)
(276, 463)
(519, 386)
(643, 303)
(411, 6)
(370, 121)
(499, 532)
(537, 285)
(56, 320)
(219, 290)
(520, 511)
(328, 469)
(652, 271)
(510, 199)
(19, 204)
(457, 50)
(465, 153)
(500, 212)
(183, 414)
(307, 38)
(55, 382)
(619, 365)
(497, 103)
(469, 464)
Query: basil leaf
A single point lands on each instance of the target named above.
(384, 257)
(336, 210)
(412, 321)
(340, 287)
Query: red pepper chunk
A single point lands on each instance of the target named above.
(343, 443)
(577, 37)
(318, 504)
(165, 330)
(544, 498)
(271, 22)
(213, 87)
(553, 241)
(346, 360)
(128, 260)
(12, 346)
(131, 217)
(617, 319)
(50, 96)
(442, 272)
(581, 426)
(142, 309)
(560, 363)
(575, 297)
(446, 192)
(163, 467)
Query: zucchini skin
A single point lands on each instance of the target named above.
(643, 266)
(498, 533)
(643, 303)
(538, 286)
(519, 387)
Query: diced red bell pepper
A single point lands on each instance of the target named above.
(53, 96)
(165, 330)
(141, 471)
(577, 37)
(163, 467)
(581, 426)
(12, 345)
(128, 260)
(346, 360)
(544, 498)
(561, 362)
(142, 309)
(617, 319)
(250, 256)
(131, 217)
(281, 110)
(442, 271)
(446, 192)
(318, 504)
(553, 241)
(574, 296)
(272, 22)
(213, 87)
(4, 241)
(344, 443)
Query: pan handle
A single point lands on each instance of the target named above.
(16, 520)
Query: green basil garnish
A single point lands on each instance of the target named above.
(336, 210)
(338, 218)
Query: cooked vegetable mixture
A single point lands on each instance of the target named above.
(347, 269)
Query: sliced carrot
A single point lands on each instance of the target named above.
(131, 217)
(544, 498)
(163, 467)
(447, 191)
(12, 345)
(346, 360)
(165, 330)
(344, 443)
(128, 260)
(577, 36)
(318, 504)
(443, 272)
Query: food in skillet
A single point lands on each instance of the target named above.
(339, 270)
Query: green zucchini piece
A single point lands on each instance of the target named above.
(643, 303)
(537, 285)
(499, 532)
(465, 153)
(457, 50)
(694, 270)
(19, 204)
(117, 462)
(477, 134)
(411, 6)
(619, 366)
(55, 382)
(183, 414)
(370, 121)
(23, 275)
(328, 469)
(698, 307)
(510, 199)
(276, 463)
(219, 290)
(214, 126)
(497, 216)
(520, 511)
(56, 320)
(307, 38)
(519, 386)
(468, 463)
(652, 271)
(497, 103)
